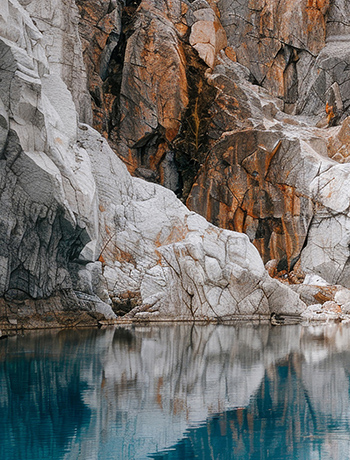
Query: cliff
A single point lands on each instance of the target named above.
(221, 104)
(240, 109)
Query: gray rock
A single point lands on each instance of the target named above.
(156, 245)
(345, 308)
(67, 201)
(57, 22)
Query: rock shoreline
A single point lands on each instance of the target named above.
(59, 320)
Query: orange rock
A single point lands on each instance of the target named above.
(271, 214)
(181, 28)
(230, 53)
(325, 294)
(153, 90)
(329, 112)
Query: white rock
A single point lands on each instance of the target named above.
(315, 280)
(196, 222)
(213, 269)
(342, 296)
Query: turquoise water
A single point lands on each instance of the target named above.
(177, 392)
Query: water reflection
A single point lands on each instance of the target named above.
(177, 392)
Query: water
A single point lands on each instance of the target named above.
(177, 392)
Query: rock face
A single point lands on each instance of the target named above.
(252, 152)
(76, 228)
(275, 39)
(169, 260)
(268, 173)
(240, 108)
(48, 194)
(60, 40)
(148, 119)
(145, 76)
(247, 124)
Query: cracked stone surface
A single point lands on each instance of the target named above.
(274, 177)
(76, 228)
(179, 265)
(138, 57)
(241, 108)
(255, 134)
(264, 36)
(57, 23)
(47, 193)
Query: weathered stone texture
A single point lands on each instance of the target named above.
(47, 192)
(200, 128)
(100, 30)
(178, 264)
(140, 59)
(271, 37)
(66, 308)
(57, 21)
(269, 175)
(181, 127)
(153, 91)
(338, 23)
(241, 108)
(74, 222)
(29, 211)
(296, 50)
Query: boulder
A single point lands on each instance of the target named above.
(181, 266)
(207, 36)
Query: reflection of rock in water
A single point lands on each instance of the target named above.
(301, 410)
(138, 390)
(123, 336)
(280, 423)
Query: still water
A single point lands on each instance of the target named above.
(177, 392)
